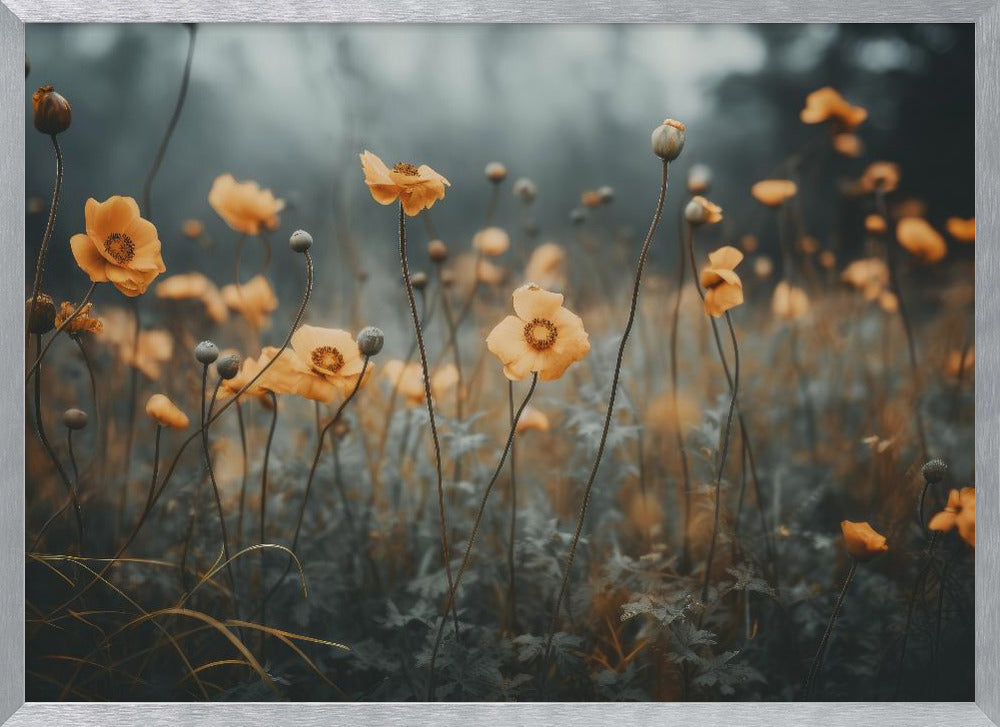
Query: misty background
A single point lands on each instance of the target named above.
(571, 107)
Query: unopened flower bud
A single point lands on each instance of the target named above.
(418, 281)
(206, 352)
(668, 140)
(300, 241)
(75, 418)
(437, 250)
(934, 471)
(607, 194)
(577, 216)
(41, 315)
(525, 189)
(699, 211)
(228, 366)
(496, 172)
(370, 340)
(52, 112)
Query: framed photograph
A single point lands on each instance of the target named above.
(550, 364)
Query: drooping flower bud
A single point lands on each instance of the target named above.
(668, 140)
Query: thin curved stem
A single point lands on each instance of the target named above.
(243, 484)
(55, 334)
(78, 340)
(817, 663)
(312, 474)
(685, 562)
(215, 487)
(918, 586)
(405, 265)
(904, 316)
(147, 186)
(44, 439)
(511, 565)
(43, 251)
(477, 521)
(724, 450)
(644, 252)
(263, 477)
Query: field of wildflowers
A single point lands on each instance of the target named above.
(544, 466)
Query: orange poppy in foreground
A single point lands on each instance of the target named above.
(417, 188)
(723, 287)
(862, 542)
(244, 205)
(119, 246)
(332, 355)
(543, 337)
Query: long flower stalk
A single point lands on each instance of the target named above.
(43, 251)
(817, 663)
(640, 265)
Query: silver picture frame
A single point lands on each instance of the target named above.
(985, 14)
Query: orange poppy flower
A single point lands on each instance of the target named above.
(119, 246)
(194, 286)
(723, 287)
(254, 300)
(492, 241)
(961, 229)
(417, 188)
(249, 368)
(699, 211)
(749, 244)
(443, 380)
(774, 192)
(763, 267)
(547, 266)
(888, 302)
(827, 260)
(290, 374)
(920, 239)
(532, 420)
(543, 337)
(165, 413)
(84, 322)
(789, 301)
(489, 274)
(192, 229)
(862, 542)
(591, 199)
(960, 512)
(827, 103)
(153, 350)
(879, 175)
(332, 355)
(407, 378)
(244, 206)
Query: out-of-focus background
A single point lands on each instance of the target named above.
(571, 107)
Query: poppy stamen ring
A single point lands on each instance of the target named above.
(548, 331)
(406, 168)
(327, 359)
(119, 248)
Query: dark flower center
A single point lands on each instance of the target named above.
(327, 359)
(406, 168)
(540, 333)
(120, 248)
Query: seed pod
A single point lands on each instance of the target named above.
(300, 241)
(75, 418)
(370, 340)
(496, 172)
(934, 471)
(206, 352)
(668, 140)
(418, 281)
(228, 366)
(41, 316)
(437, 250)
(52, 111)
